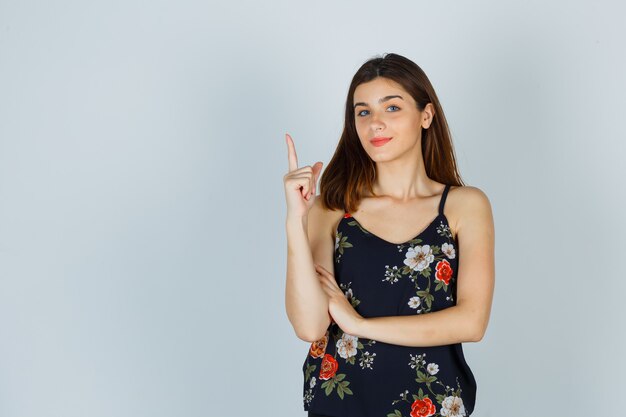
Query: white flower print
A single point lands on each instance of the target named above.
(417, 360)
(414, 302)
(452, 407)
(308, 396)
(419, 257)
(366, 360)
(448, 249)
(347, 345)
(432, 368)
(444, 230)
(312, 381)
(391, 274)
(336, 241)
(349, 294)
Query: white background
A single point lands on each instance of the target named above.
(142, 150)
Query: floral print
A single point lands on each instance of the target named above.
(452, 406)
(381, 278)
(341, 243)
(349, 294)
(329, 367)
(414, 302)
(348, 347)
(392, 275)
(419, 257)
(422, 408)
(319, 347)
(450, 401)
(444, 272)
(448, 249)
(432, 368)
(418, 262)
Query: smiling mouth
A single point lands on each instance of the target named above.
(380, 141)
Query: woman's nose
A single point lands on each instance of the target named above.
(376, 123)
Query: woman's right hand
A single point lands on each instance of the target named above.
(300, 183)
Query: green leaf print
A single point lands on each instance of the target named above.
(337, 381)
(340, 391)
(355, 223)
(429, 300)
(342, 242)
(422, 377)
(309, 370)
(329, 385)
(344, 386)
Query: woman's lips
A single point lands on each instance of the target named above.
(379, 141)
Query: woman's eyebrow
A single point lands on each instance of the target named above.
(382, 100)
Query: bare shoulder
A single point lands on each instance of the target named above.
(468, 192)
(323, 218)
(322, 222)
(321, 232)
(469, 207)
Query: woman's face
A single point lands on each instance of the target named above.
(383, 109)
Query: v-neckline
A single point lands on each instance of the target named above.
(424, 230)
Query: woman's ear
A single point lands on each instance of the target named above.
(427, 115)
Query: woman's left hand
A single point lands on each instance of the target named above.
(339, 307)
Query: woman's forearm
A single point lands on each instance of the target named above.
(305, 300)
(448, 326)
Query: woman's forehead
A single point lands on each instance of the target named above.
(378, 91)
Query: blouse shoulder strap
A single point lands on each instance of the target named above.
(443, 198)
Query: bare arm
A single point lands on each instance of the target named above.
(306, 302)
(308, 239)
(467, 321)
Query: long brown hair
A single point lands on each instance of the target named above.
(351, 171)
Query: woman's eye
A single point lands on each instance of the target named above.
(360, 113)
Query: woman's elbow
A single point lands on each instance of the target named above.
(313, 333)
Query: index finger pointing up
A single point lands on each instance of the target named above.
(291, 150)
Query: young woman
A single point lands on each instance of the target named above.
(391, 268)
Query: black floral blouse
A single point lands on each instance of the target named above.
(347, 376)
